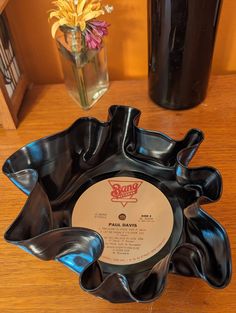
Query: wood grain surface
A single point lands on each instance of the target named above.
(29, 285)
(3, 4)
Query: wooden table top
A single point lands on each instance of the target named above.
(32, 286)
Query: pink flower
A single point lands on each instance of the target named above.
(94, 33)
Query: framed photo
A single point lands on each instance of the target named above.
(13, 81)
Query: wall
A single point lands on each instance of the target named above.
(127, 42)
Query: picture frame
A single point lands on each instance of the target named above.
(13, 80)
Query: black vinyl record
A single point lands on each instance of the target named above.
(145, 179)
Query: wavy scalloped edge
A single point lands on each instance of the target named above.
(152, 284)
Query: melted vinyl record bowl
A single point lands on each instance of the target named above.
(119, 206)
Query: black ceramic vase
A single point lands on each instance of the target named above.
(181, 44)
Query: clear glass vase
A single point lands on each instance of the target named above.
(85, 70)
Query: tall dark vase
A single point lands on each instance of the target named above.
(181, 44)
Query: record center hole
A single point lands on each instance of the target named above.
(122, 217)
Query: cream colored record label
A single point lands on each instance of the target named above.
(133, 216)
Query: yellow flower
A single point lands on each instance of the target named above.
(75, 13)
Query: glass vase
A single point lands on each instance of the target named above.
(85, 70)
(181, 44)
